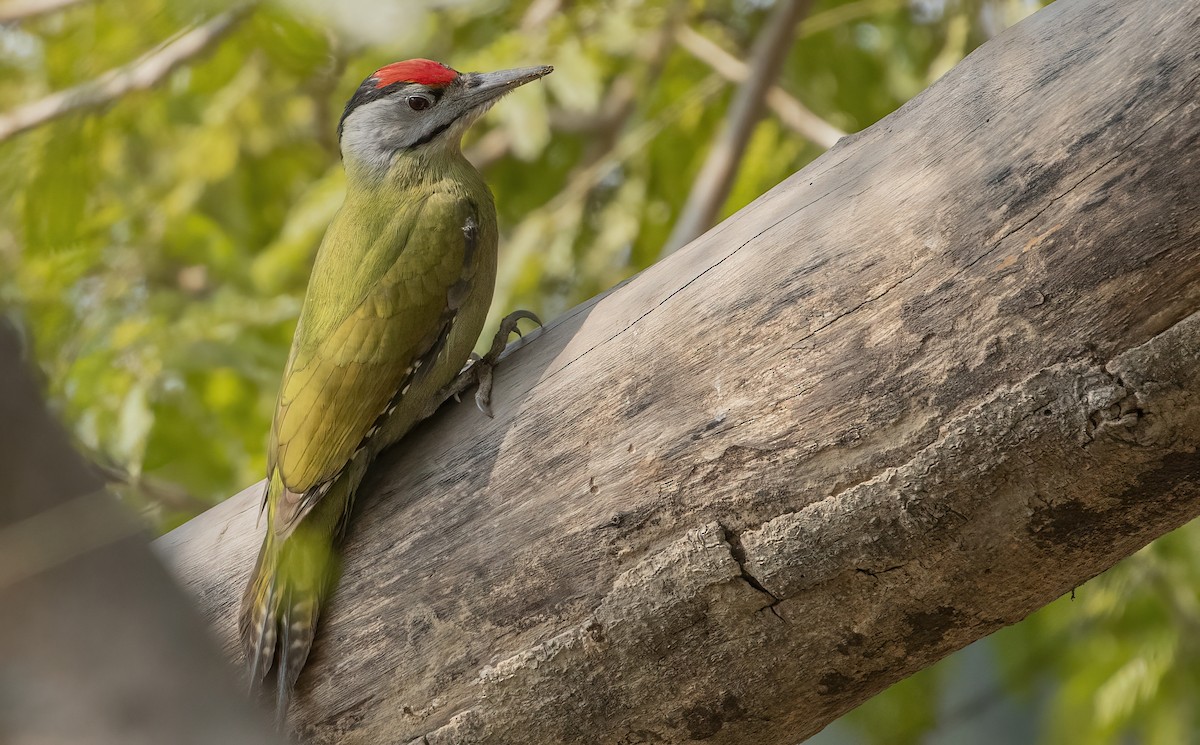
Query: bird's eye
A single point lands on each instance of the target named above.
(419, 103)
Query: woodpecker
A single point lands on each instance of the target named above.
(396, 301)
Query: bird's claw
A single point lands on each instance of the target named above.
(484, 366)
(483, 393)
(478, 370)
(508, 326)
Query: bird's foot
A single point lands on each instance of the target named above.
(478, 370)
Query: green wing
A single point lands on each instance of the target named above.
(376, 302)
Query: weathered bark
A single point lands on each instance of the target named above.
(941, 376)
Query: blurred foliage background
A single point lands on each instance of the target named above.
(155, 244)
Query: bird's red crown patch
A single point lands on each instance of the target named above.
(420, 71)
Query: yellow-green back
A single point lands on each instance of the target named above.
(378, 289)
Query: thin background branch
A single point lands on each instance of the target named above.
(139, 75)
(712, 185)
(23, 10)
(794, 115)
(158, 492)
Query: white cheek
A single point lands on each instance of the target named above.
(375, 130)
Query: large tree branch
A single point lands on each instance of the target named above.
(939, 377)
(139, 75)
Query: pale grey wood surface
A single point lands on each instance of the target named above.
(936, 379)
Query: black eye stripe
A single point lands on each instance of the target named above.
(367, 92)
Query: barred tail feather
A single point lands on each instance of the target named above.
(259, 613)
(298, 625)
(278, 623)
(260, 602)
(282, 602)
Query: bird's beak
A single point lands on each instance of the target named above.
(486, 87)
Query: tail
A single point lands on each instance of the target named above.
(283, 599)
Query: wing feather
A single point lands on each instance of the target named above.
(354, 345)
